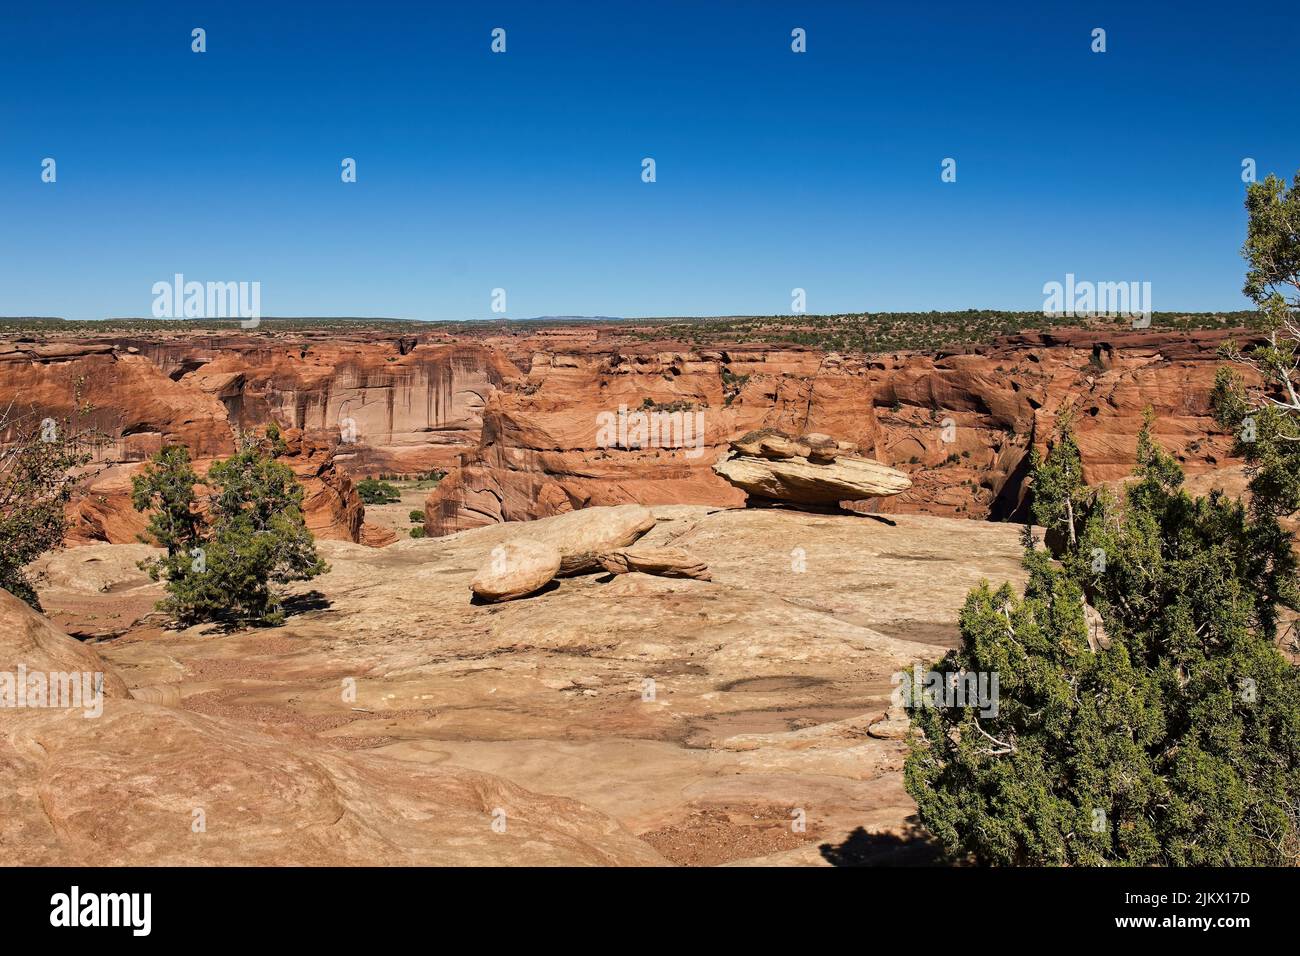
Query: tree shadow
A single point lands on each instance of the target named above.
(864, 508)
(292, 605)
(295, 604)
(912, 847)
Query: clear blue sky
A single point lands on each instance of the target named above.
(775, 170)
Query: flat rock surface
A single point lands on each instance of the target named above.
(673, 719)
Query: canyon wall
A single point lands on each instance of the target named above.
(961, 424)
(527, 424)
(132, 408)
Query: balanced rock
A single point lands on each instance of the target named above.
(663, 562)
(821, 473)
(515, 569)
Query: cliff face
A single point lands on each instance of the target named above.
(396, 407)
(128, 400)
(539, 424)
(960, 424)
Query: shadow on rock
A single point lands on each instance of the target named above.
(912, 847)
(308, 601)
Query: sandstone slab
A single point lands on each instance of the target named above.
(31, 644)
(662, 562)
(144, 784)
(583, 536)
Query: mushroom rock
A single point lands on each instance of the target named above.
(820, 473)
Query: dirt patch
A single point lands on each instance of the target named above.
(893, 556)
(397, 516)
(361, 743)
(233, 704)
(714, 835)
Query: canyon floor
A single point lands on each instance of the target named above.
(686, 722)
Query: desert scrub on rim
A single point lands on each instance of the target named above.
(224, 563)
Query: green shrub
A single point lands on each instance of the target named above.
(36, 482)
(225, 565)
(374, 492)
(1170, 737)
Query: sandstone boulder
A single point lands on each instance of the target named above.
(663, 562)
(769, 443)
(583, 536)
(822, 449)
(893, 724)
(516, 569)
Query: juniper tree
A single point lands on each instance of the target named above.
(1059, 496)
(1264, 415)
(1173, 737)
(225, 565)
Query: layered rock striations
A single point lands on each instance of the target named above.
(959, 425)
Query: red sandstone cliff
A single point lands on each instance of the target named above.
(125, 397)
(517, 418)
(961, 424)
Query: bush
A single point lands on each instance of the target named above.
(224, 566)
(37, 465)
(374, 492)
(418, 531)
(1169, 736)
